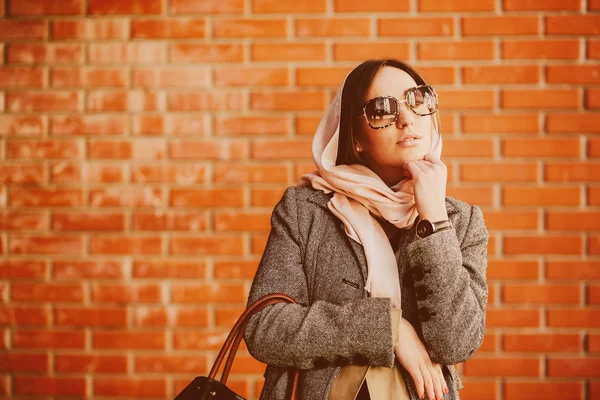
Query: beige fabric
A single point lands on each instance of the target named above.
(396, 316)
(348, 382)
(385, 383)
(388, 383)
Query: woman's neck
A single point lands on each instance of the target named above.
(389, 175)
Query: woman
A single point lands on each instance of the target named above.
(388, 272)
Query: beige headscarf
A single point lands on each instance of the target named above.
(359, 195)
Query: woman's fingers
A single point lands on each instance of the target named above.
(432, 158)
(428, 380)
(417, 377)
(429, 389)
(433, 161)
(437, 377)
(415, 168)
(413, 356)
(420, 164)
(444, 384)
(411, 166)
(422, 167)
(437, 382)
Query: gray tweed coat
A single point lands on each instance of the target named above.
(310, 257)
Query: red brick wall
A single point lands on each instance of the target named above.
(145, 142)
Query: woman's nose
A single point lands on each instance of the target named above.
(405, 116)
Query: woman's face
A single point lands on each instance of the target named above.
(384, 150)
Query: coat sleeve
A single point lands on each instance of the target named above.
(310, 335)
(449, 273)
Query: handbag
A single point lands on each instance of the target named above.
(207, 387)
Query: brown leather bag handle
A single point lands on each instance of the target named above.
(232, 343)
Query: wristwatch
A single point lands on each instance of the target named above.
(426, 228)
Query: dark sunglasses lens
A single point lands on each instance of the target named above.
(381, 111)
(423, 100)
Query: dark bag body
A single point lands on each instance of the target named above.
(208, 388)
(204, 388)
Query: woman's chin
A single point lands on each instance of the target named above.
(415, 155)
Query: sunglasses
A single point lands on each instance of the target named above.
(381, 112)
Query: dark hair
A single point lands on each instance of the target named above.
(354, 94)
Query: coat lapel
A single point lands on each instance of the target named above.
(321, 199)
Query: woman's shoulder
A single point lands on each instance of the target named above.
(304, 193)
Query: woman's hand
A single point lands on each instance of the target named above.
(429, 176)
(413, 356)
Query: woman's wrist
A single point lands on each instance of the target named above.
(435, 216)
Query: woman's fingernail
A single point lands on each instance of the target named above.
(423, 396)
(445, 390)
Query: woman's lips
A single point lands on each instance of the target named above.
(409, 142)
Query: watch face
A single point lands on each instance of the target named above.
(424, 228)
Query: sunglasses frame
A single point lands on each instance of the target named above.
(412, 89)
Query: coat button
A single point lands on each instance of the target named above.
(421, 292)
(340, 361)
(425, 315)
(359, 359)
(321, 363)
(417, 273)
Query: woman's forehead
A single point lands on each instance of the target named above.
(391, 81)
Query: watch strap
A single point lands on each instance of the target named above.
(440, 225)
